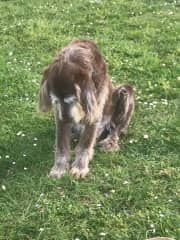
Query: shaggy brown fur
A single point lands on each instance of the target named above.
(78, 84)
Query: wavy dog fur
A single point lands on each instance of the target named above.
(78, 84)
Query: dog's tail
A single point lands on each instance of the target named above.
(126, 98)
(123, 100)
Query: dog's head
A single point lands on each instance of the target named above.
(67, 103)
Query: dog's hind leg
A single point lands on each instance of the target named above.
(62, 153)
(122, 109)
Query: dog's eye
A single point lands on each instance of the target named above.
(54, 99)
(70, 99)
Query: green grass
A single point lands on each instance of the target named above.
(129, 195)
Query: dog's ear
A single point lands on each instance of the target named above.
(89, 103)
(44, 94)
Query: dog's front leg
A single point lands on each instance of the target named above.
(84, 151)
(62, 153)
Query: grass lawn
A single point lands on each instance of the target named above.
(129, 195)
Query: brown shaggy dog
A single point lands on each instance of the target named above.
(78, 85)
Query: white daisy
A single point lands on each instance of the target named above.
(102, 234)
(125, 182)
(3, 187)
(146, 136)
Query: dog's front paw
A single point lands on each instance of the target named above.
(79, 172)
(109, 145)
(57, 172)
